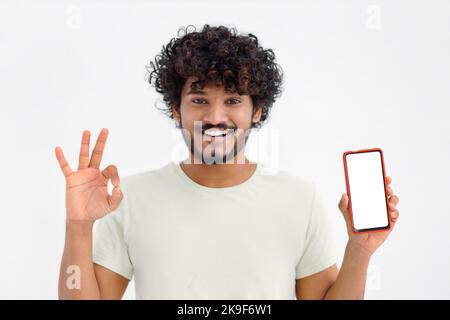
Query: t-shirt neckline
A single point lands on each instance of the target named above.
(176, 166)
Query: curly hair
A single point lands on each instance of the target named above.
(220, 56)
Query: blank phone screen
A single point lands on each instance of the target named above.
(366, 188)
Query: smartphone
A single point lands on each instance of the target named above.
(367, 191)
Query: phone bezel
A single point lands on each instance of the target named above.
(376, 229)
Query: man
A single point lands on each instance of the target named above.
(214, 226)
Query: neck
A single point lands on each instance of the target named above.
(218, 175)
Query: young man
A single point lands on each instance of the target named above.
(214, 226)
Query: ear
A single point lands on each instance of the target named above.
(176, 113)
(257, 111)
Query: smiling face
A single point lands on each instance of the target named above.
(215, 123)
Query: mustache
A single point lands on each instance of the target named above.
(219, 126)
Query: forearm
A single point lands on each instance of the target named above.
(351, 281)
(78, 252)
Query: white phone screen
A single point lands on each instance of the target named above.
(366, 188)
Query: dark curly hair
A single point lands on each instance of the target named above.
(217, 55)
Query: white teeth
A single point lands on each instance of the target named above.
(215, 133)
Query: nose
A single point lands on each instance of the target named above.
(216, 114)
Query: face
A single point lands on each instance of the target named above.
(215, 123)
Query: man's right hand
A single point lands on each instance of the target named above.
(87, 197)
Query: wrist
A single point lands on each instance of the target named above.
(79, 225)
(357, 251)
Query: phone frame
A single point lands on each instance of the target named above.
(349, 207)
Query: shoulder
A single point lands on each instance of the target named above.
(145, 179)
(287, 181)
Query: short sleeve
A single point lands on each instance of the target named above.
(110, 249)
(319, 250)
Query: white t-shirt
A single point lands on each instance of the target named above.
(183, 240)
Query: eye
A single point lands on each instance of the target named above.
(199, 101)
(234, 101)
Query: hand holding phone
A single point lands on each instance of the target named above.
(369, 207)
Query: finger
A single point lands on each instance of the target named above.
(83, 161)
(392, 206)
(388, 180)
(115, 199)
(110, 172)
(395, 214)
(62, 162)
(393, 199)
(97, 153)
(390, 191)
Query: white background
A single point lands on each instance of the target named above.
(358, 74)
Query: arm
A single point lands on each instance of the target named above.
(78, 252)
(112, 285)
(315, 287)
(332, 283)
(87, 200)
(96, 282)
(349, 282)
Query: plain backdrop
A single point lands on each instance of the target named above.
(358, 74)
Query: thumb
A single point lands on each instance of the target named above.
(343, 203)
(343, 207)
(110, 172)
(115, 198)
